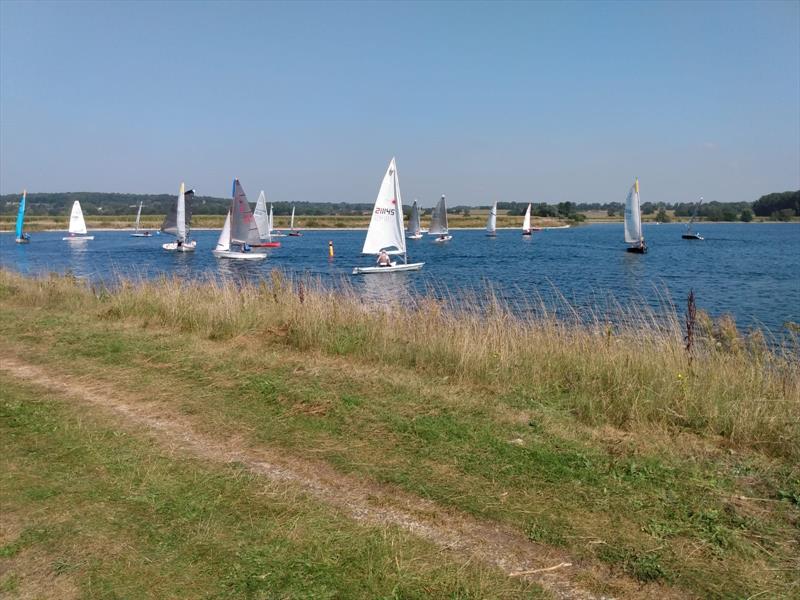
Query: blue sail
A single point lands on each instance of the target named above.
(21, 217)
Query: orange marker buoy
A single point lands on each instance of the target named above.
(330, 249)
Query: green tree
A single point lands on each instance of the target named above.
(662, 216)
(746, 216)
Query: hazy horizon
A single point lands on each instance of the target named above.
(539, 102)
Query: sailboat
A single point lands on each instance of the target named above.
(263, 224)
(239, 231)
(439, 222)
(21, 236)
(272, 231)
(414, 231)
(77, 226)
(294, 232)
(690, 234)
(178, 221)
(136, 232)
(633, 221)
(526, 221)
(385, 233)
(491, 222)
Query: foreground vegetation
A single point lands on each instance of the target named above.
(610, 442)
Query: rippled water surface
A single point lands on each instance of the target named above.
(749, 270)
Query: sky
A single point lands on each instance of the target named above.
(540, 102)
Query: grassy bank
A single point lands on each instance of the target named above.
(41, 223)
(606, 442)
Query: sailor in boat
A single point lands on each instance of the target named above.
(442, 238)
(384, 260)
(180, 243)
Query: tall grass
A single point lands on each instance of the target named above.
(633, 373)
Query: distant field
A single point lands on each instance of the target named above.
(39, 223)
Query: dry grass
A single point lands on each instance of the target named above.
(633, 374)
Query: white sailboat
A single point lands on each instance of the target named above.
(263, 225)
(414, 231)
(272, 231)
(385, 234)
(239, 230)
(491, 222)
(526, 221)
(77, 226)
(178, 221)
(439, 222)
(294, 232)
(136, 232)
(633, 221)
(691, 234)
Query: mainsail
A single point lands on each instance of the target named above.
(526, 222)
(243, 225)
(633, 217)
(491, 222)
(179, 218)
(439, 218)
(413, 221)
(138, 218)
(694, 214)
(76, 223)
(291, 221)
(21, 215)
(262, 217)
(386, 226)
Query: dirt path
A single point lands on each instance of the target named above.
(364, 501)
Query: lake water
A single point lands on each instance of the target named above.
(749, 270)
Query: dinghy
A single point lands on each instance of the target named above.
(77, 226)
(385, 233)
(294, 232)
(633, 221)
(178, 221)
(414, 231)
(263, 224)
(20, 236)
(272, 231)
(439, 222)
(136, 232)
(526, 221)
(240, 228)
(690, 234)
(491, 222)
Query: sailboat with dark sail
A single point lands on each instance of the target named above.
(240, 231)
(414, 230)
(691, 234)
(439, 222)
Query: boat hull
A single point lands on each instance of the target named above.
(23, 240)
(416, 236)
(491, 234)
(185, 247)
(637, 249)
(147, 234)
(393, 268)
(295, 234)
(443, 239)
(234, 255)
(527, 233)
(692, 236)
(267, 245)
(77, 237)
(277, 235)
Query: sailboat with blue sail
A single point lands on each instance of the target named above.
(21, 236)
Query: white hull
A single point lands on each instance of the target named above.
(78, 237)
(140, 235)
(22, 240)
(491, 234)
(185, 247)
(277, 235)
(414, 237)
(390, 269)
(441, 240)
(233, 254)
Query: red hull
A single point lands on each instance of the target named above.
(267, 245)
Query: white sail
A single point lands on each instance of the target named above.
(224, 241)
(386, 226)
(526, 222)
(633, 215)
(76, 223)
(138, 217)
(491, 222)
(180, 220)
(262, 217)
(271, 221)
(291, 222)
(439, 218)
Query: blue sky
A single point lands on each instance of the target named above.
(482, 101)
